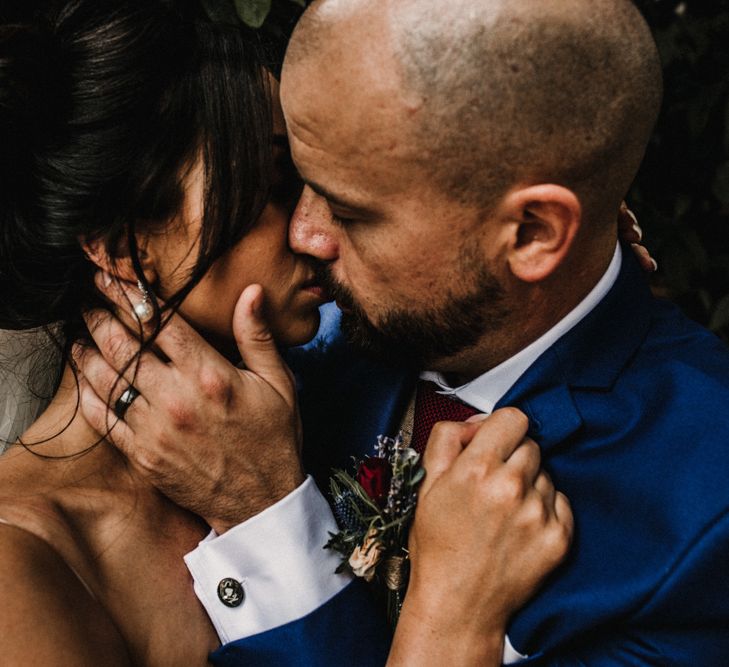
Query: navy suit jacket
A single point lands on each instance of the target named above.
(631, 409)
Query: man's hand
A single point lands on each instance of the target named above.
(488, 529)
(222, 442)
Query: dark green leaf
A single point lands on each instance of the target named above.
(221, 11)
(253, 12)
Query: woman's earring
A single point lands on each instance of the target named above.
(144, 309)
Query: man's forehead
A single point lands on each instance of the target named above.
(354, 110)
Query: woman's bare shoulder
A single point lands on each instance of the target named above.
(49, 617)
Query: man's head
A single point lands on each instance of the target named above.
(465, 160)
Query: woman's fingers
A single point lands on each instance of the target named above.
(630, 232)
(446, 442)
(628, 226)
(498, 436)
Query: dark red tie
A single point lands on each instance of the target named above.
(432, 407)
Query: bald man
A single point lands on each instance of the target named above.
(463, 161)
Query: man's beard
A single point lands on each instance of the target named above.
(418, 339)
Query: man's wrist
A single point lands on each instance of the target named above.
(278, 559)
(240, 509)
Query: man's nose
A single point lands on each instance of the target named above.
(311, 230)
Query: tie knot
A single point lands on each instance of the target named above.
(432, 407)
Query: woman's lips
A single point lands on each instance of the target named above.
(317, 289)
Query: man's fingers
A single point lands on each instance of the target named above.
(106, 384)
(103, 420)
(122, 352)
(446, 442)
(256, 345)
(176, 339)
(129, 302)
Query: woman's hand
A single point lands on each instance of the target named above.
(629, 231)
(488, 529)
(222, 442)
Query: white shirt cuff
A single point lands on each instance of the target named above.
(279, 559)
(511, 655)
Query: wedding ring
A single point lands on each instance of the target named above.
(124, 401)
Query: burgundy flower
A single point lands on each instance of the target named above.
(374, 475)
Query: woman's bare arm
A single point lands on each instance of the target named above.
(488, 529)
(49, 618)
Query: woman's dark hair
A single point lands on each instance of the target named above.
(103, 106)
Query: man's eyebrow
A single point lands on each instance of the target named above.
(334, 199)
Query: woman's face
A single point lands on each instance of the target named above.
(292, 294)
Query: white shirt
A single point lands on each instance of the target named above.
(278, 555)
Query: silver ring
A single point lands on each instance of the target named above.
(122, 404)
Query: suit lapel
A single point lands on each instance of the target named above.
(346, 400)
(589, 357)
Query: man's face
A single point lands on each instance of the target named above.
(410, 268)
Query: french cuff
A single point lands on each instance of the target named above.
(271, 569)
(511, 655)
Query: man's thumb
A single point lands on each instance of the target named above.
(256, 344)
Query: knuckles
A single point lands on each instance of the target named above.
(117, 346)
(215, 386)
(514, 417)
(179, 414)
(508, 489)
(444, 433)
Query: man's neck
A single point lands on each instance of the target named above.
(542, 309)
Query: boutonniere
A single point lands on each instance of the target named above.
(374, 509)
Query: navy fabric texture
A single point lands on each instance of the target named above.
(349, 630)
(631, 409)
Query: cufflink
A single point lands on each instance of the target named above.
(230, 592)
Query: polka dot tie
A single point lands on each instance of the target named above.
(432, 407)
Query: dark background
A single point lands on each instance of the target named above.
(681, 194)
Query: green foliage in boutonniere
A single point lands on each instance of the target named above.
(374, 510)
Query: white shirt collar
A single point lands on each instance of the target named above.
(486, 390)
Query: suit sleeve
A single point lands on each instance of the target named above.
(277, 559)
(293, 609)
(349, 629)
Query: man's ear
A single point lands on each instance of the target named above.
(120, 264)
(547, 219)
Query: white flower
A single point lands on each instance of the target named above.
(364, 559)
(408, 454)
